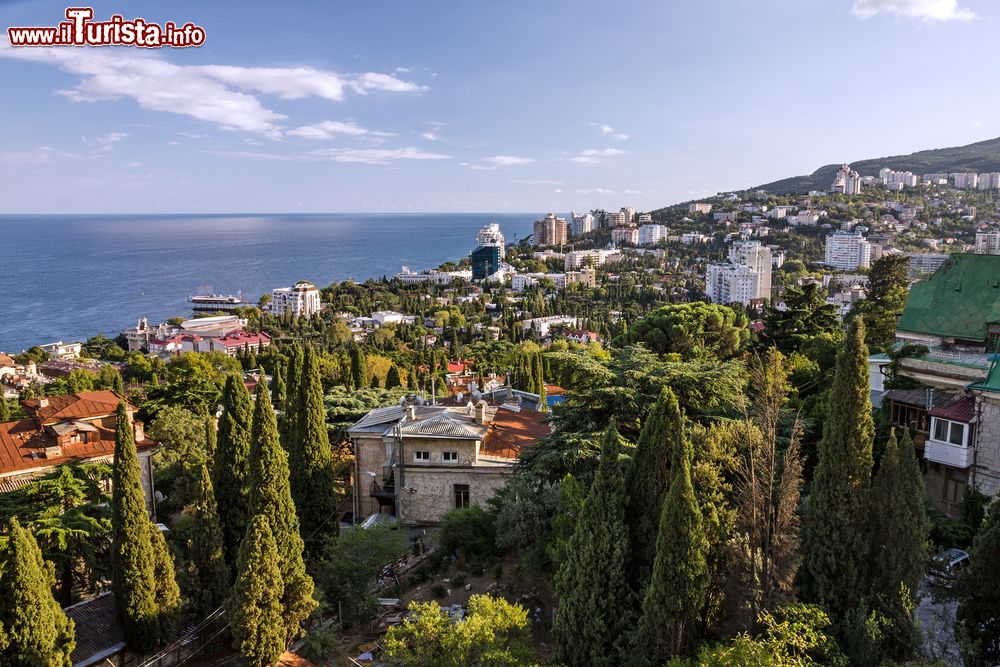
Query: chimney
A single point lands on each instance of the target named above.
(930, 398)
(481, 412)
(140, 431)
(411, 413)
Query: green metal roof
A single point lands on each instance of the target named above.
(959, 301)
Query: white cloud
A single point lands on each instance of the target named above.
(40, 155)
(429, 136)
(218, 94)
(611, 132)
(534, 181)
(103, 144)
(330, 128)
(594, 155)
(595, 191)
(507, 160)
(935, 10)
(374, 155)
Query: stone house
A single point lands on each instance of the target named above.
(955, 411)
(418, 461)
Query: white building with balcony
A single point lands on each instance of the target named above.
(846, 251)
(301, 300)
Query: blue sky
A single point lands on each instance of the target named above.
(476, 106)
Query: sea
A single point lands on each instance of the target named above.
(69, 277)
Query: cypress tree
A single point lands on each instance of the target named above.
(33, 629)
(230, 470)
(4, 410)
(359, 368)
(679, 581)
(132, 557)
(312, 485)
(278, 376)
(834, 531)
(211, 439)
(898, 520)
(392, 378)
(271, 497)
(205, 574)
(979, 622)
(647, 479)
(167, 594)
(593, 617)
(290, 418)
(255, 611)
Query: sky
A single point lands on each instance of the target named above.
(393, 106)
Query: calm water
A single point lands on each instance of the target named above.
(70, 277)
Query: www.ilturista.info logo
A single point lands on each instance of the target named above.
(81, 30)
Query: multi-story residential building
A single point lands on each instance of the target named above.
(924, 262)
(433, 276)
(581, 223)
(629, 214)
(780, 212)
(652, 234)
(489, 253)
(693, 238)
(847, 181)
(419, 461)
(645, 218)
(699, 208)
(988, 243)
(965, 180)
(63, 351)
(744, 278)
(301, 300)
(585, 277)
(139, 336)
(625, 236)
(542, 325)
(551, 230)
(955, 413)
(615, 219)
(76, 428)
(989, 181)
(846, 251)
(906, 179)
(586, 258)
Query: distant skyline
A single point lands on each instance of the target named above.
(481, 107)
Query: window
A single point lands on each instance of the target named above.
(451, 457)
(461, 495)
(422, 457)
(949, 431)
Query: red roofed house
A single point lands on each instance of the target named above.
(76, 428)
(440, 457)
(230, 343)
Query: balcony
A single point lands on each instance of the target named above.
(955, 456)
(383, 491)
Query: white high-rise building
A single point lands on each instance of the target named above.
(965, 180)
(846, 251)
(904, 178)
(490, 236)
(615, 219)
(746, 276)
(581, 223)
(629, 214)
(847, 181)
(988, 243)
(301, 300)
(652, 234)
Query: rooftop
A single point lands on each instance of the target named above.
(82, 405)
(958, 301)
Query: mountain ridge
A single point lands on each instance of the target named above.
(981, 156)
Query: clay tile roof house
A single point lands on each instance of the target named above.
(440, 457)
(76, 428)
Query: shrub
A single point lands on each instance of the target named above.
(439, 591)
(471, 533)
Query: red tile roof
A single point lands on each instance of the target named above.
(962, 410)
(511, 432)
(240, 338)
(23, 444)
(83, 405)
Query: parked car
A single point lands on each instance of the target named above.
(946, 567)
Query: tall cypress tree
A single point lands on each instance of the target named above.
(167, 594)
(211, 439)
(205, 572)
(4, 410)
(646, 481)
(834, 531)
(278, 376)
(290, 418)
(593, 617)
(255, 611)
(271, 497)
(359, 368)
(33, 629)
(132, 557)
(899, 525)
(313, 483)
(392, 379)
(979, 622)
(899, 532)
(230, 470)
(679, 581)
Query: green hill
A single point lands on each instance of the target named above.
(980, 157)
